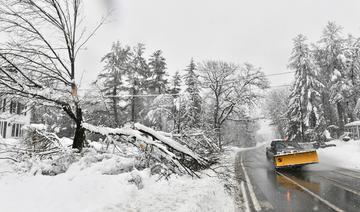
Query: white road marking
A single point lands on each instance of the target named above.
(335, 208)
(254, 200)
(347, 174)
(243, 193)
(338, 184)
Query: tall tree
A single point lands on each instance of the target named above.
(111, 79)
(194, 100)
(137, 77)
(276, 107)
(303, 104)
(39, 61)
(157, 66)
(329, 57)
(349, 89)
(177, 109)
(231, 88)
(175, 86)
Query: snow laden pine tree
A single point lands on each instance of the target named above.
(157, 66)
(174, 90)
(175, 84)
(352, 93)
(160, 107)
(193, 100)
(303, 111)
(331, 61)
(137, 82)
(111, 79)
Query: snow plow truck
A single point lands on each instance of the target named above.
(285, 154)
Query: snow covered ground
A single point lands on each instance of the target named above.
(96, 192)
(344, 154)
(94, 186)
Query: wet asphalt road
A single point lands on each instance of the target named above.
(312, 188)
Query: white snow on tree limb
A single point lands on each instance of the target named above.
(127, 132)
(151, 137)
(170, 142)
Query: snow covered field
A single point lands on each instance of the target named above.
(345, 154)
(95, 186)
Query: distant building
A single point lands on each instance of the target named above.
(14, 114)
(354, 129)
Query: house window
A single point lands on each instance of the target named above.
(23, 110)
(3, 105)
(13, 107)
(3, 126)
(16, 130)
(17, 108)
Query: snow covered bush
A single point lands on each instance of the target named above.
(39, 140)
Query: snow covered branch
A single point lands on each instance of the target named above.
(184, 159)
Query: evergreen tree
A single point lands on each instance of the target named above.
(157, 65)
(194, 100)
(175, 84)
(303, 109)
(112, 76)
(137, 77)
(350, 90)
(330, 59)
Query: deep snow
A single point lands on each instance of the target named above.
(96, 192)
(107, 185)
(343, 155)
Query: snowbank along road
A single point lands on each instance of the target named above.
(312, 188)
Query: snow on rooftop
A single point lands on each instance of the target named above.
(354, 123)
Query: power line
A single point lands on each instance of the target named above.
(280, 73)
(277, 86)
(141, 95)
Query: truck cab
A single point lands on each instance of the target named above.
(275, 145)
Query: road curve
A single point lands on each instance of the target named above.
(312, 188)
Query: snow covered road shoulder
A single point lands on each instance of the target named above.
(344, 154)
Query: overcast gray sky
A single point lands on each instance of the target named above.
(255, 31)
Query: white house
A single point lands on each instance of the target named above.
(14, 114)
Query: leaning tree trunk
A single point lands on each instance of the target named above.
(79, 137)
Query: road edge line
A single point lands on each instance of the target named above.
(312, 193)
(338, 184)
(253, 198)
(243, 193)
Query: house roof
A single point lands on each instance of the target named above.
(354, 123)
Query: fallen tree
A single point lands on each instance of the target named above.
(159, 148)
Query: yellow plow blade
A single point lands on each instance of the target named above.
(295, 159)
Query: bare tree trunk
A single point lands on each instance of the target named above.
(79, 137)
(219, 138)
(115, 107)
(216, 121)
(327, 107)
(340, 111)
(133, 116)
